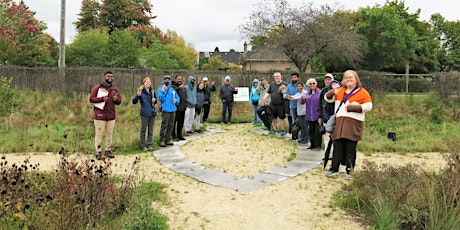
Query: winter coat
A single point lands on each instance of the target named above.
(166, 99)
(147, 107)
(226, 93)
(311, 102)
(108, 113)
(254, 96)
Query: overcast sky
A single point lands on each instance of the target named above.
(210, 23)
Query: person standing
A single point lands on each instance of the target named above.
(277, 103)
(191, 103)
(207, 97)
(300, 97)
(354, 102)
(198, 107)
(254, 100)
(179, 86)
(312, 114)
(226, 97)
(148, 98)
(292, 112)
(323, 113)
(104, 96)
(169, 101)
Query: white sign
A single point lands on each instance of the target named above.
(242, 95)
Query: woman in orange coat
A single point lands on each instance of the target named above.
(349, 120)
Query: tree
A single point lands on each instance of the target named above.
(88, 49)
(214, 63)
(122, 50)
(183, 52)
(121, 14)
(88, 16)
(303, 32)
(159, 57)
(391, 40)
(22, 40)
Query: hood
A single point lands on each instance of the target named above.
(189, 80)
(330, 83)
(255, 80)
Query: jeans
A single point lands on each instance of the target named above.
(146, 123)
(303, 129)
(227, 106)
(167, 125)
(256, 116)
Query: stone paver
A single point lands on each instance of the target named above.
(173, 158)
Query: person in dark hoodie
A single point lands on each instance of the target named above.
(179, 86)
(190, 88)
(147, 98)
(199, 106)
(226, 97)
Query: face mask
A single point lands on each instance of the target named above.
(166, 83)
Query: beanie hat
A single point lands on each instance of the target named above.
(334, 81)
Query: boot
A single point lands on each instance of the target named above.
(108, 154)
(162, 144)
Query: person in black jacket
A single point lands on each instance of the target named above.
(178, 85)
(226, 96)
(207, 97)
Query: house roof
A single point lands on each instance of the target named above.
(227, 57)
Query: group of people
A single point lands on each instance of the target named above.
(311, 107)
(183, 106)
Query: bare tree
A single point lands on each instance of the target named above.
(304, 32)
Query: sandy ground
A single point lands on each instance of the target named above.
(302, 202)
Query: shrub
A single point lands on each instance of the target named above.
(8, 96)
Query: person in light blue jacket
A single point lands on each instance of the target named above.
(169, 102)
(190, 88)
(254, 100)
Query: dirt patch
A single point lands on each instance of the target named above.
(302, 202)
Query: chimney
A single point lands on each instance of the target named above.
(245, 51)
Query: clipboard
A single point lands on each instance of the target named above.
(101, 93)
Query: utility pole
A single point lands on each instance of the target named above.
(61, 63)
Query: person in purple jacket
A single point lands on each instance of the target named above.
(312, 100)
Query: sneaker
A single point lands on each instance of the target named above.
(331, 173)
(272, 132)
(145, 149)
(108, 153)
(348, 176)
(162, 144)
(283, 132)
(181, 138)
(150, 148)
(189, 132)
(197, 131)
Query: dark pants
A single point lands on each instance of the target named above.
(167, 125)
(303, 129)
(146, 123)
(206, 111)
(227, 106)
(178, 124)
(290, 122)
(315, 136)
(344, 150)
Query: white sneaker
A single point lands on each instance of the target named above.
(348, 176)
(331, 173)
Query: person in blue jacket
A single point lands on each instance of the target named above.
(147, 97)
(169, 102)
(254, 100)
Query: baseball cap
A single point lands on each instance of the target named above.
(167, 76)
(328, 75)
(228, 78)
(205, 79)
